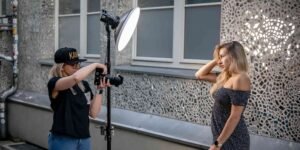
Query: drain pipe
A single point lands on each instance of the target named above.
(7, 58)
(12, 90)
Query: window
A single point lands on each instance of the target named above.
(78, 26)
(177, 34)
(2, 7)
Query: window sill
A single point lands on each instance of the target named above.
(50, 62)
(46, 62)
(170, 72)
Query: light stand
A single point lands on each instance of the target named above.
(124, 28)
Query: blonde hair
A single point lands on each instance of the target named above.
(57, 71)
(238, 63)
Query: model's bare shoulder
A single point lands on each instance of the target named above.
(242, 82)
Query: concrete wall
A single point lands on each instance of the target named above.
(30, 119)
(273, 108)
(31, 122)
(36, 42)
(5, 66)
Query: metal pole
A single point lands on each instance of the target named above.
(108, 65)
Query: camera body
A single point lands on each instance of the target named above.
(113, 80)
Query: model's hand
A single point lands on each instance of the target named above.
(216, 57)
(213, 147)
(216, 54)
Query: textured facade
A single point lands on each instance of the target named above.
(269, 29)
(36, 42)
(165, 96)
(6, 70)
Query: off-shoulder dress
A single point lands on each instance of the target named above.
(224, 98)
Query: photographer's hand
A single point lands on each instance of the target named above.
(103, 83)
(103, 67)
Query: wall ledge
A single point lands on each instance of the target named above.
(177, 131)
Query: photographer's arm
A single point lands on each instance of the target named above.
(79, 75)
(96, 103)
(95, 106)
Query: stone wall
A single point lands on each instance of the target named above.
(170, 97)
(36, 42)
(5, 66)
(270, 31)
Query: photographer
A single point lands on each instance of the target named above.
(70, 98)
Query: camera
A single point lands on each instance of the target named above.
(113, 80)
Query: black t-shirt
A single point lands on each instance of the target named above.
(71, 110)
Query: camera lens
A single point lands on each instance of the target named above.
(115, 80)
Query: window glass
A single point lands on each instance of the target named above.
(155, 3)
(198, 29)
(69, 32)
(93, 5)
(69, 7)
(3, 7)
(155, 33)
(93, 34)
(202, 31)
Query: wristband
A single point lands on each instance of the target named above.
(100, 91)
(217, 144)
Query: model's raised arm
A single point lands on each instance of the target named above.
(204, 73)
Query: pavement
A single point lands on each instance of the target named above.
(10, 145)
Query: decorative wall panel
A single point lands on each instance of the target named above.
(270, 32)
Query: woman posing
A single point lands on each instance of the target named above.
(231, 91)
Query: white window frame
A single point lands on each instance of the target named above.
(83, 27)
(177, 60)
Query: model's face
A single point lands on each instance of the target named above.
(224, 59)
(70, 69)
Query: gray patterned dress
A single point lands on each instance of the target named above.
(224, 98)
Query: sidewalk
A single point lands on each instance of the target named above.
(10, 145)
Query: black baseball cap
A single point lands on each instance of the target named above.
(67, 55)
